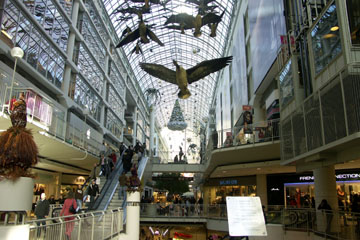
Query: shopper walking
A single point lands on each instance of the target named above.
(93, 191)
(181, 153)
(65, 211)
(328, 214)
(79, 196)
(103, 165)
(41, 211)
(135, 159)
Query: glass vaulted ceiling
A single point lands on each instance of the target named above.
(184, 48)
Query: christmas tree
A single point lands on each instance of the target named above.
(177, 122)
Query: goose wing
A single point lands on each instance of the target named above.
(153, 37)
(204, 68)
(129, 38)
(212, 18)
(160, 72)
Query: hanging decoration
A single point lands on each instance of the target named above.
(177, 122)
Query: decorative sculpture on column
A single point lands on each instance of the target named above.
(18, 151)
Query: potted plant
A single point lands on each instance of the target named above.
(18, 153)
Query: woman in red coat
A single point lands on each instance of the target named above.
(70, 201)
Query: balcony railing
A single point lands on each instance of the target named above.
(328, 115)
(191, 156)
(90, 225)
(329, 224)
(259, 132)
(44, 114)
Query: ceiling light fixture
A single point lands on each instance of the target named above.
(334, 28)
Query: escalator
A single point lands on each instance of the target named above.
(111, 185)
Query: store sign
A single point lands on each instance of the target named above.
(306, 178)
(80, 180)
(246, 107)
(342, 176)
(228, 182)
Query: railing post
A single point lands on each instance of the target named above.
(33, 109)
(61, 229)
(112, 223)
(79, 228)
(103, 230)
(93, 226)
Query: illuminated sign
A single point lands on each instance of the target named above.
(228, 182)
(274, 189)
(342, 176)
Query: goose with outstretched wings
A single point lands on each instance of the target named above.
(142, 32)
(182, 77)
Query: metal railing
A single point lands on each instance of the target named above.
(328, 224)
(44, 114)
(191, 156)
(91, 225)
(259, 132)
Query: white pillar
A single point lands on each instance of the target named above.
(135, 125)
(261, 188)
(152, 129)
(70, 49)
(325, 188)
(259, 114)
(132, 216)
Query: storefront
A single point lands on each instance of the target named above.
(297, 190)
(70, 182)
(216, 189)
(45, 182)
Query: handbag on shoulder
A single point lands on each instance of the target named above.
(72, 209)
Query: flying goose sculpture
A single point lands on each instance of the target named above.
(182, 77)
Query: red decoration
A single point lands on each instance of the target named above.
(182, 235)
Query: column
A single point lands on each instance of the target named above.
(325, 188)
(156, 147)
(135, 125)
(132, 216)
(70, 49)
(105, 92)
(259, 114)
(261, 188)
(152, 129)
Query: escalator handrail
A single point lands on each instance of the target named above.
(108, 182)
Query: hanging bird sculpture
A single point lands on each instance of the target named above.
(142, 32)
(202, 6)
(187, 21)
(137, 49)
(182, 77)
(212, 20)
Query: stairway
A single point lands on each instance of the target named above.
(115, 202)
(102, 182)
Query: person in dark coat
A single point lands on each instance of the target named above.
(52, 199)
(121, 148)
(93, 191)
(214, 136)
(41, 211)
(329, 215)
(127, 159)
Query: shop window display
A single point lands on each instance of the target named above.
(223, 191)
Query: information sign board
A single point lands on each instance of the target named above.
(245, 216)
